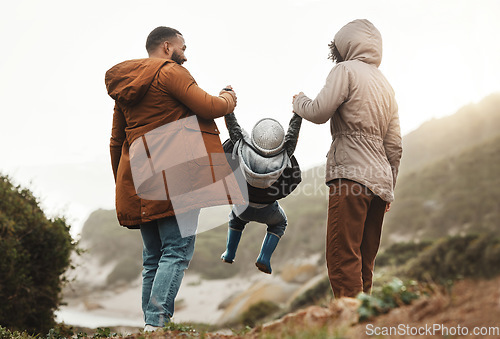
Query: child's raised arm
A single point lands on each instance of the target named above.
(233, 127)
(292, 135)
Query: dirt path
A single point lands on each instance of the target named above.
(471, 306)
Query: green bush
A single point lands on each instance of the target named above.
(35, 253)
(383, 299)
(6, 334)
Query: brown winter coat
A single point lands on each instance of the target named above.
(151, 93)
(361, 106)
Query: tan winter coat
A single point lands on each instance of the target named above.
(360, 104)
(159, 106)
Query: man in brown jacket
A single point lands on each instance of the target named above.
(168, 162)
(363, 161)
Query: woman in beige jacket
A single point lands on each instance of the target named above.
(363, 161)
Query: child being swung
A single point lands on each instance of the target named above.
(271, 171)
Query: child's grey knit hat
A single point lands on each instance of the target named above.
(268, 136)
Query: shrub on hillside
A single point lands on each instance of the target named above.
(206, 259)
(313, 295)
(258, 311)
(35, 253)
(401, 253)
(453, 258)
(126, 270)
(104, 238)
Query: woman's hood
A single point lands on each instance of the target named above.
(360, 40)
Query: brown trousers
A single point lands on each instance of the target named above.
(355, 217)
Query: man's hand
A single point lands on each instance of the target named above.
(229, 89)
(387, 207)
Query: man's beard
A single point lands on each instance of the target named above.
(177, 58)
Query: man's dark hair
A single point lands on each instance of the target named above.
(158, 36)
(334, 53)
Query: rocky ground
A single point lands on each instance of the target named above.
(471, 304)
(467, 307)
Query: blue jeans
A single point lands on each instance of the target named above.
(272, 215)
(166, 254)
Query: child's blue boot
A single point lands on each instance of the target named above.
(268, 246)
(233, 239)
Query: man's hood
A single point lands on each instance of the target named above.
(360, 40)
(129, 81)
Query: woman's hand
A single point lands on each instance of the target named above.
(295, 96)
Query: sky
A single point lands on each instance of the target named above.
(56, 116)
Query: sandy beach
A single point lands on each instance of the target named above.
(198, 300)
